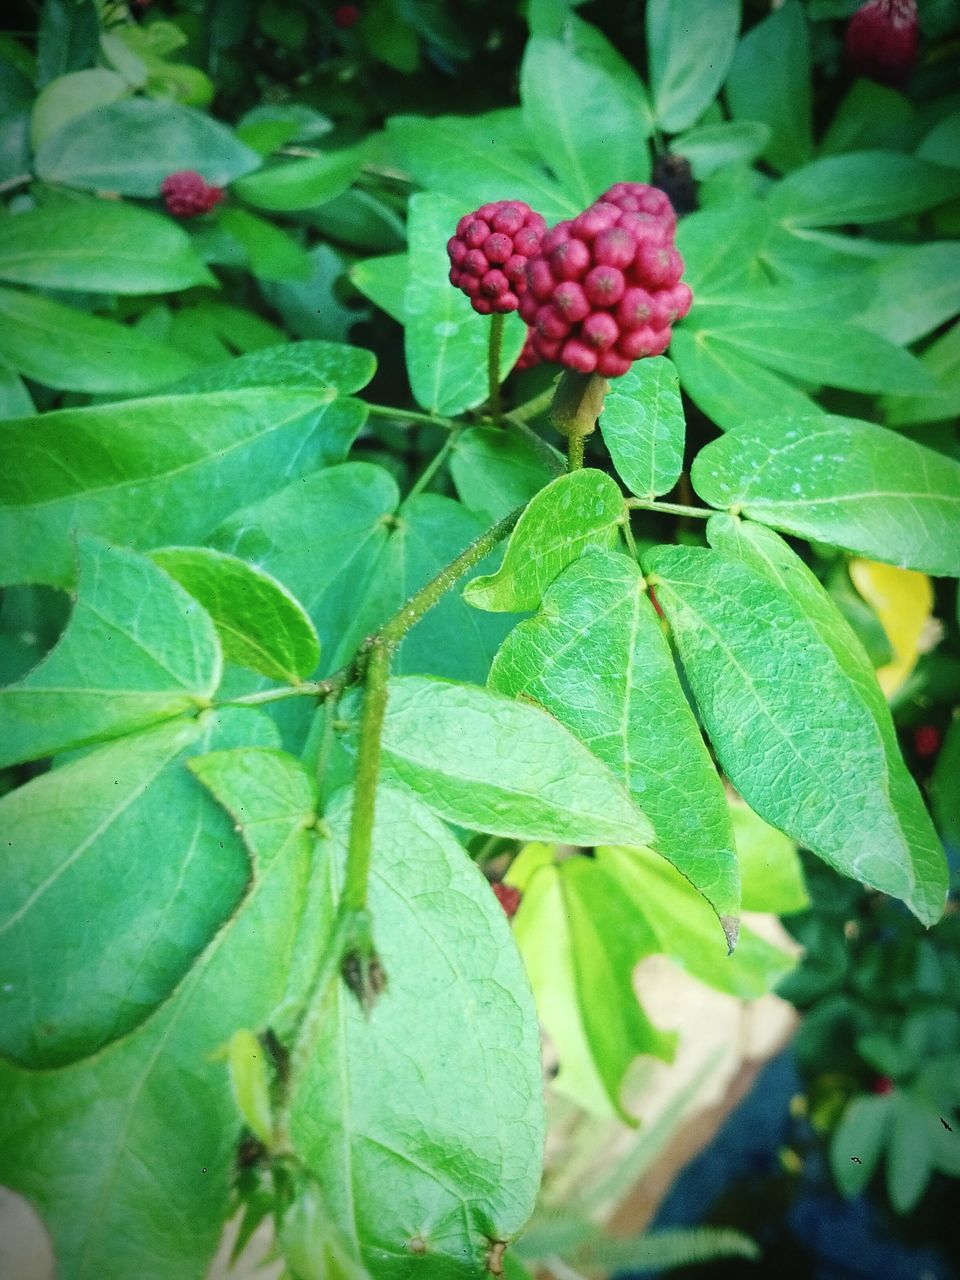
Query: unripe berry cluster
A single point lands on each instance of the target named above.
(881, 40)
(605, 287)
(187, 194)
(489, 253)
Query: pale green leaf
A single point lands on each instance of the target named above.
(497, 471)
(573, 513)
(303, 184)
(769, 865)
(71, 350)
(910, 1151)
(272, 254)
(709, 147)
(98, 245)
(250, 1082)
(858, 1141)
(841, 481)
(690, 46)
(862, 186)
(643, 427)
(727, 385)
(146, 472)
(596, 659)
(942, 361)
(484, 761)
(384, 281)
(71, 96)
(586, 124)
(789, 723)
(917, 290)
(322, 538)
(94, 1144)
(131, 146)
(137, 650)
(426, 1118)
(293, 364)
(769, 81)
(95, 934)
(721, 247)
(445, 339)
(259, 623)
(767, 553)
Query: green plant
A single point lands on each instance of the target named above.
(252, 962)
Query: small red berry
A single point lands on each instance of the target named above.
(508, 897)
(346, 16)
(187, 194)
(883, 1084)
(926, 741)
(528, 356)
(881, 40)
(489, 255)
(606, 284)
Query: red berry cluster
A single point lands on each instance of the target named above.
(605, 287)
(346, 16)
(187, 194)
(508, 897)
(881, 40)
(489, 254)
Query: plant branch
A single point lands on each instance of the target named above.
(670, 508)
(393, 631)
(531, 408)
(575, 446)
(494, 346)
(368, 770)
(411, 415)
(435, 463)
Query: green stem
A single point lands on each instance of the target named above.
(411, 415)
(575, 446)
(493, 366)
(368, 770)
(628, 536)
(393, 631)
(670, 508)
(436, 462)
(308, 689)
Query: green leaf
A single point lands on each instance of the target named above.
(711, 146)
(573, 513)
(872, 115)
(451, 640)
(131, 146)
(146, 472)
(136, 651)
(89, 1145)
(790, 724)
(260, 624)
(250, 1082)
(767, 553)
(101, 246)
(817, 349)
(942, 361)
(15, 399)
(95, 935)
(68, 35)
(769, 866)
(863, 186)
(303, 184)
(470, 159)
(940, 144)
(722, 246)
(729, 387)
(685, 929)
(585, 123)
(322, 537)
(917, 290)
(643, 427)
(272, 254)
(485, 761)
(68, 349)
(71, 96)
(384, 281)
(311, 308)
(690, 47)
(291, 364)
(841, 481)
(607, 937)
(769, 81)
(426, 1119)
(446, 340)
(910, 1151)
(859, 1140)
(596, 659)
(497, 471)
(945, 788)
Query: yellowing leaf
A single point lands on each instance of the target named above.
(902, 600)
(250, 1082)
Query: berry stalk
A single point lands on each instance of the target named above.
(494, 346)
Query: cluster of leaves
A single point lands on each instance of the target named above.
(234, 523)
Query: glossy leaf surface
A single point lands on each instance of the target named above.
(643, 427)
